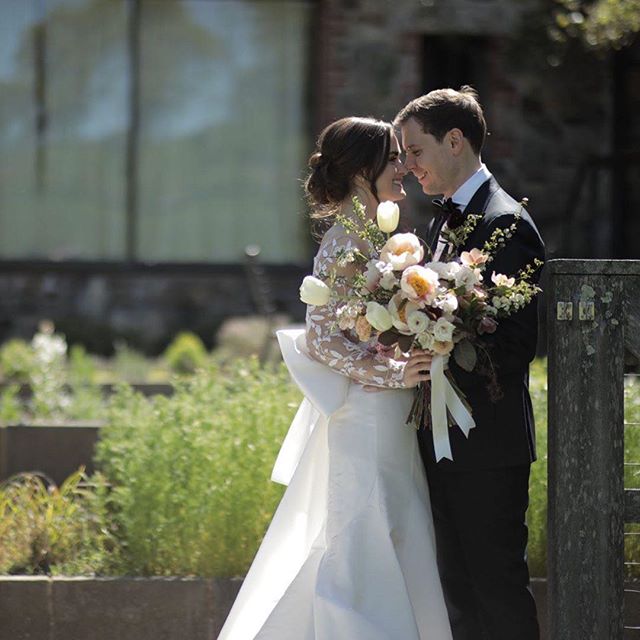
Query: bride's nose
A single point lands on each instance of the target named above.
(401, 168)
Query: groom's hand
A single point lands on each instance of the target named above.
(417, 368)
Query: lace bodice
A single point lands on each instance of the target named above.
(326, 342)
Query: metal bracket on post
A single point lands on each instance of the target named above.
(564, 311)
(586, 310)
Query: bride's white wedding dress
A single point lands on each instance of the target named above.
(350, 552)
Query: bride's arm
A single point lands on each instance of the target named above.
(329, 345)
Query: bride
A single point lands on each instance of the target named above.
(350, 552)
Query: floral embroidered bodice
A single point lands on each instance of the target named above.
(325, 340)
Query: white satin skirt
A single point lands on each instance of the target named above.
(350, 552)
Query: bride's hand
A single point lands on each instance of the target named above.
(417, 368)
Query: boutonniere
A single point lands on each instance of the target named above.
(456, 233)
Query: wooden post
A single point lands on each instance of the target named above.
(586, 304)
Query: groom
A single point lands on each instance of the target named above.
(480, 499)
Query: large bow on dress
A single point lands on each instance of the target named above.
(325, 392)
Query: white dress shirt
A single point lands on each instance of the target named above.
(461, 198)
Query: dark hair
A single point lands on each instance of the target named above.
(444, 109)
(345, 149)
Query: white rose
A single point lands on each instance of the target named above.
(426, 340)
(378, 317)
(467, 277)
(402, 250)
(446, 270)
(449, 303)
(314, 292)
(443, 330)
(496, 301)
(388, 215)
(519, 300)
(500, 280)
(417, 321)
(388, 280)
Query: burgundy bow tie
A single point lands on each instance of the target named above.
(449, 209)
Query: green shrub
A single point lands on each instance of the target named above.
(50, 530)
(632, 470)
(17, 360)
(130, 365)
(82, 368)
(10, 406)
(537, 513)
(190, 473)
(186, 353)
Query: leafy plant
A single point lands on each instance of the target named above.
(130, 365)
(537, 512)
(17, 360)
(10, 406)
(186, 353)
(46, 529)
(190, 473)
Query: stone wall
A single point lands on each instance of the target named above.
(546, 114)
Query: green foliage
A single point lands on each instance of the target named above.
(186, 353)
(537, 513)
(82, 368)
(17, 360)
(10, 405)
(599, 23)
(62, 530)
(130, 365)
(190, 473)
(632, 468)
(186, 489)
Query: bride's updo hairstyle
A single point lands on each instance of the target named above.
(345, 149)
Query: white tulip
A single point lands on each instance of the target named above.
(378, 317)
(314, 292)
(388, 215)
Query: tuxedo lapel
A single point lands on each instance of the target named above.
(478, 203)
(433, 232)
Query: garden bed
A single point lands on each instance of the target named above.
(76, 608)
(54, 451)
(70, 608)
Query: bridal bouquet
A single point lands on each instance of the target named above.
(400, 300)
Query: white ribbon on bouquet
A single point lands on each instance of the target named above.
(443, 397)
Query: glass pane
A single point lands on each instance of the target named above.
(63, 123)
(222, 142)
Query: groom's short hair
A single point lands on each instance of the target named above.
(441, 110)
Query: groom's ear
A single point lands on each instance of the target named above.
(454, 139)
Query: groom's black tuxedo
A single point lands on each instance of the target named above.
(479, 500)
(504, 433)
